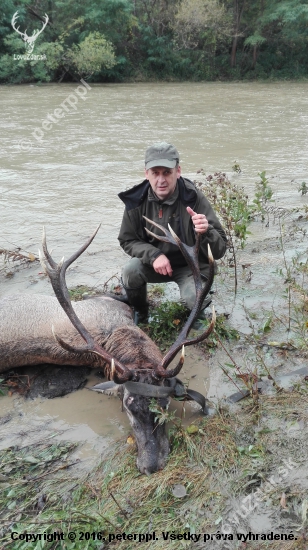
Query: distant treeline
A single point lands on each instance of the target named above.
(118, 40)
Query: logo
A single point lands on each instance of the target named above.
(29, 40)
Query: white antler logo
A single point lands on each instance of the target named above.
(29, 40)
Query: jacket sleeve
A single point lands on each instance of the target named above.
(134, 245)
(215, 235)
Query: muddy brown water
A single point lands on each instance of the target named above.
(69, 182)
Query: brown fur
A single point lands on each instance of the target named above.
(133, 348)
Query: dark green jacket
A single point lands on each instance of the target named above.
(139, 202)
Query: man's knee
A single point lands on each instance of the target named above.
(132, 273)
(188, 293)
(189, 298)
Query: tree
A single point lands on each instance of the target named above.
(91, 55)
(200, 21)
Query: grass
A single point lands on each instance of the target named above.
(44, 490)
(77, 293)
(140, 504)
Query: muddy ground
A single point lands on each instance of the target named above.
(271, 493)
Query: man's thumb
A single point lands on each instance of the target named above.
(190, 211)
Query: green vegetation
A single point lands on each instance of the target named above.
(303, 188)
(294, 275)
(165, 321)
(78, 292)
(156, 39)
(2, 387)
(232, 206)
(222, 331)
(263, 195)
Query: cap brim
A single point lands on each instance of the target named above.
(161, 162)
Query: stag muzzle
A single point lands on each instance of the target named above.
(153, 450)
(151, 439)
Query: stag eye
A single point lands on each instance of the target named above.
(132, 404)
(164, 403)
(129, 401)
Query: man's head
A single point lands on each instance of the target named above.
(162, 168)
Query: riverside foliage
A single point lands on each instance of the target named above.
(116, 40)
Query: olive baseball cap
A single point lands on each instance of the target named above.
(161, 154)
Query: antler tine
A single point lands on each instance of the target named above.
(190, 254)
(37, 32)
(168, 239)
(13, 21)
(46, 253)
(161, 371)
(56, 273)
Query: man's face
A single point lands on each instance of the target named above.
(163, 180)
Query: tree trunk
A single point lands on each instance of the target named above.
(254, 56)
(238, 12)
(233, 52)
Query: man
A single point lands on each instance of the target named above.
(165, 197)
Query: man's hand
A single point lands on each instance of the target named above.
(199, 220)
(162, 265)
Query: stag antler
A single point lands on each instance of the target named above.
(56, 273)
(36, 33)
(190, 254)
(22, 34)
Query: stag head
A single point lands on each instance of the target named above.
(29, 40)
(143, 371)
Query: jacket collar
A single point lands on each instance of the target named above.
(133, 197)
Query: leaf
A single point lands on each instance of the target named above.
(11, 505)
(283, 501)
(31, 257)
(304, 510)
(230, 365)
(267, 325)
(31, 459)
(192, 429)
(179, 491)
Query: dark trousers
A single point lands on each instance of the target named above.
(136, 274)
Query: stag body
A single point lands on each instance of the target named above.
(26, 336)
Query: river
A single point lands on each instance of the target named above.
(69, 179)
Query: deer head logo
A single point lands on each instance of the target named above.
(29, 40)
